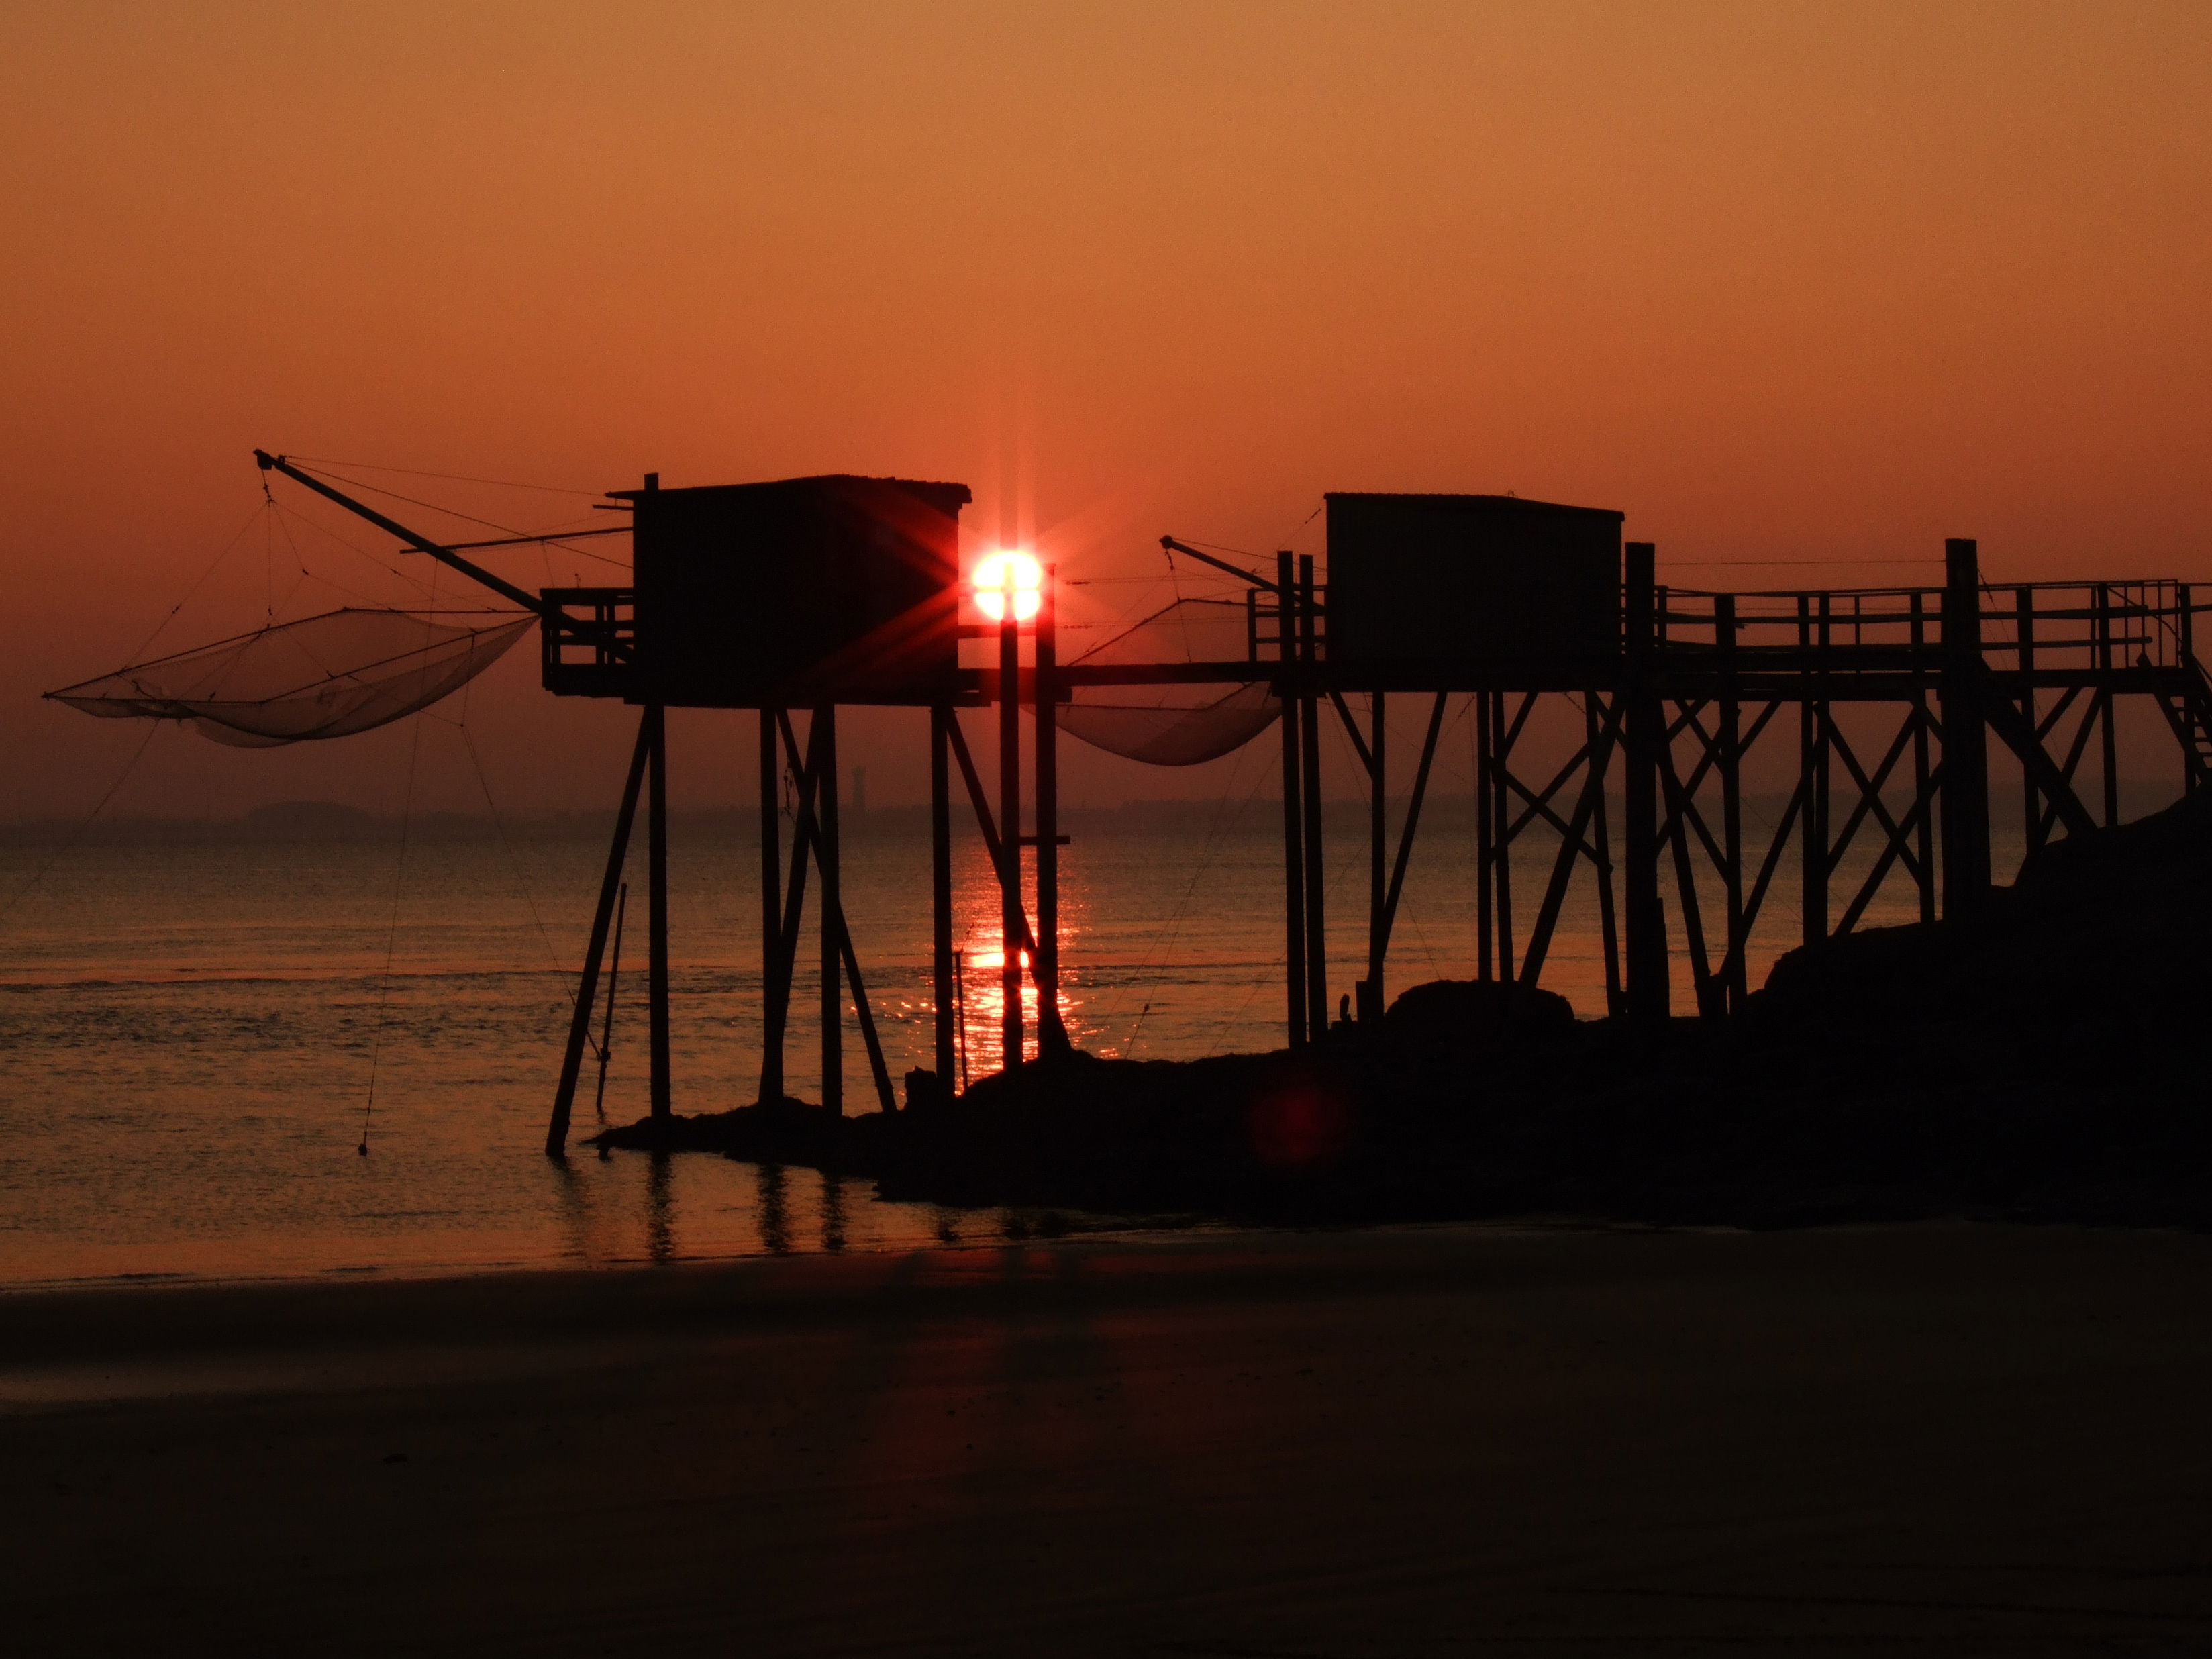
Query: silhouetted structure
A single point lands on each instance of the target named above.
(807, 593)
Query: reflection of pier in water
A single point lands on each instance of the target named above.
(626, 1210)
(1879, 707)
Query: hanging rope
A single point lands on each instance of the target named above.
(507, 841)
(1166, 943)
(267, 504)
(455, 512)
(391, 933)
(457, 477)
(391, 570)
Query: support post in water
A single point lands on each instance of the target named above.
(1964, 775)
(1370, 988)
(1484, 948)
(580, 1026)
(1045, 692)
(775, 992)
(1730, 743)
(1310, 744)
(823, 740)
(656, 842)
(1645, 723)
(1294, 886)
(1812, 634)
(1012, 924)
(941, 717)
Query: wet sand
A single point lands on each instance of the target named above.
(1404, 1442)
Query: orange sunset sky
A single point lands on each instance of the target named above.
(1782, 281)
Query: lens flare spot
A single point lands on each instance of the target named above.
(1298, 1127)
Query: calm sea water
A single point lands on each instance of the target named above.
(189, 1037)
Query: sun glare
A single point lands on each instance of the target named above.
(997, 572)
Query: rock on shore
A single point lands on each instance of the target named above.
(2044, 1060)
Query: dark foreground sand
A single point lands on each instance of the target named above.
(1434, 1442)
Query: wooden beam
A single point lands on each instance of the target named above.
(1597, 748)
(1412, 817)
(580, 1023)
(656, 867)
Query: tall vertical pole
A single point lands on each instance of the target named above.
(1010, 826)
(1482, 847)
(1924, 804)
(2031, 803)
(1616, 1001)
(833, 913)
(2184, 628)
(579, 1024)
(1644, 923)
(1734, 983)
(1965, 787)
(944, 992)
(1501, 833)
(1309, 740)
(776, 990)
(1046, 693)
(1812, 746)
(1371, 994)
(1294, 885)
(656, 842)
(2108, 743)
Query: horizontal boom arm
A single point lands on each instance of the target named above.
(1170, 544)
(506, 590)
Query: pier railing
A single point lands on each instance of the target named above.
(588, 641)
(2052, 632)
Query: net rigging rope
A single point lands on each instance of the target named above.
(391, 934)
(457, 477)
(514, 868)
(1165, 942)
(455, 512)
(287, 516)
(200, 581)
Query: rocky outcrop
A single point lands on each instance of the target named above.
(2044, 1061)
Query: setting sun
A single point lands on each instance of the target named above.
(998, 572)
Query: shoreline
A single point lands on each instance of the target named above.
(1053, 1227)
(1978, 1438)
(122, 1319)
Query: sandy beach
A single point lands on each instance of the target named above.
(1406, 1442)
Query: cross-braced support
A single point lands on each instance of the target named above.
(812, 773)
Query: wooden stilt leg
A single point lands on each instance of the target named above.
(775, 986)
(944, 995)
(824, 738)
(656, 831)
(580, 1026)
(1309, 740)
(1013, 921)
(1051, 1033)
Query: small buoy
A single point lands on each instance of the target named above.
(363, 1149)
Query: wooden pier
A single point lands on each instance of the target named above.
(796, 598)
